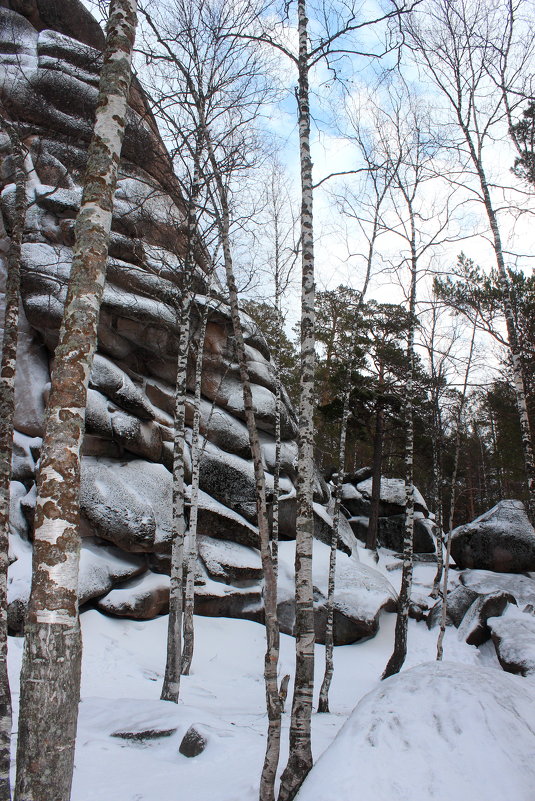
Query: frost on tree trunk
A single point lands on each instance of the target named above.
(7, 411)
(50, 680)
(300, 757)
(323, 705)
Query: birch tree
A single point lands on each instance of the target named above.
(220, 71)
(50, 681)
(458, 434)
(16, 152)
(456, 42)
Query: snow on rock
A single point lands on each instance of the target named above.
(437, 731)
(474, 629)
(103, 566)
(392, 495)
(460, 599)
(501, 539)
(521, 588)
(229, 561)
(24, 456)
(119, 387)
(361, 593)
(514, 639)
(142, 598)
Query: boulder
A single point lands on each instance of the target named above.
(141, 598)
(228, 561)
(323, 524)
(361, 593)
(437, 731)
(474, 629)
(391, 531)
(194, 741)
(392, 498)
(522, 588)
(502, 540)
(514, 640)
(460, 599)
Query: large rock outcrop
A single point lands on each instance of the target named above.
(501, 539)
(49, 65)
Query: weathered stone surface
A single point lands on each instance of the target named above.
(460, 599)
(194, 741)
(323, 525)
(522, 588)
(228, 561)
(514, 640)
(392, 499)
(391, 531)
(474, 629)
(502, 540)
(361, 593)
(141, 598)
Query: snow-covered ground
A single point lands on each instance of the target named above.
(123, 666)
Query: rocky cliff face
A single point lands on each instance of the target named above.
(49, 64)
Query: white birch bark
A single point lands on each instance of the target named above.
(191, 562)
(300, 757)
(50, 682)
(453, 498)
(395, 663)
(7, 411)
(171, 682)
(323, 705)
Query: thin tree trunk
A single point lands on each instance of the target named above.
(7, 412)
(323, 705)
(437, 484)
(440, 641)
(189, 598)
(373, 521)
(399, 653)
(175, 660)
(50, 680)
(512, 334)
(300, 758)
(171, 682)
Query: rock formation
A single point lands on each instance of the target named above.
(49, 67)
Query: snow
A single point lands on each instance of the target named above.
(123, 665)
(392, 491)
(469, 736)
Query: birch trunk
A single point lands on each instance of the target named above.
(323, 705)
(189, 596)
(267, 781)
(50, 680)
(171, 682)
(300, 758)
(399, 653)
(373, 523)
(175, 658)
(440, 641)
(437, 500)
(7, 412)
(512, 334)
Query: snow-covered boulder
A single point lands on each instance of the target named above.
(142, 598)
(502, 540)
(474, 628)
(522, 588)
(392, 498)
(438, 731)
(361, 594)
(514, 639)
